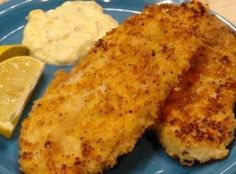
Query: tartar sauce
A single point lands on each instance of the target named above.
(64, 35)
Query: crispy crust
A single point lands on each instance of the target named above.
(98, 111)
(197, 116)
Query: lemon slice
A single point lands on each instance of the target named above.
(18, 78)
(8, 51)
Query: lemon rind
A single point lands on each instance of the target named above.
(9, 51)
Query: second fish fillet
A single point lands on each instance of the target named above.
(197, 120)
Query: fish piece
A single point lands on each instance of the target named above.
(197, 121)
(90, 116)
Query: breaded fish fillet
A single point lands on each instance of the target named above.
(98, 111)
(197, 121)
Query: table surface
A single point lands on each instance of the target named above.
(226, 8)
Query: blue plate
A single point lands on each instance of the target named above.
(148, 156)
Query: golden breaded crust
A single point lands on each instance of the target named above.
(197, 120)
(98, 111)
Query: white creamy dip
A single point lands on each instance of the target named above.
(64, 35)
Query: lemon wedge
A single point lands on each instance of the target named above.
(8, 51)
(18, 78)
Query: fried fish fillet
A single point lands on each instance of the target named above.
(197, 121)
(98, 111)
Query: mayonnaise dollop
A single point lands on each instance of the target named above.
(64, 35)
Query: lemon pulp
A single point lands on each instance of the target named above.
(18, 77)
